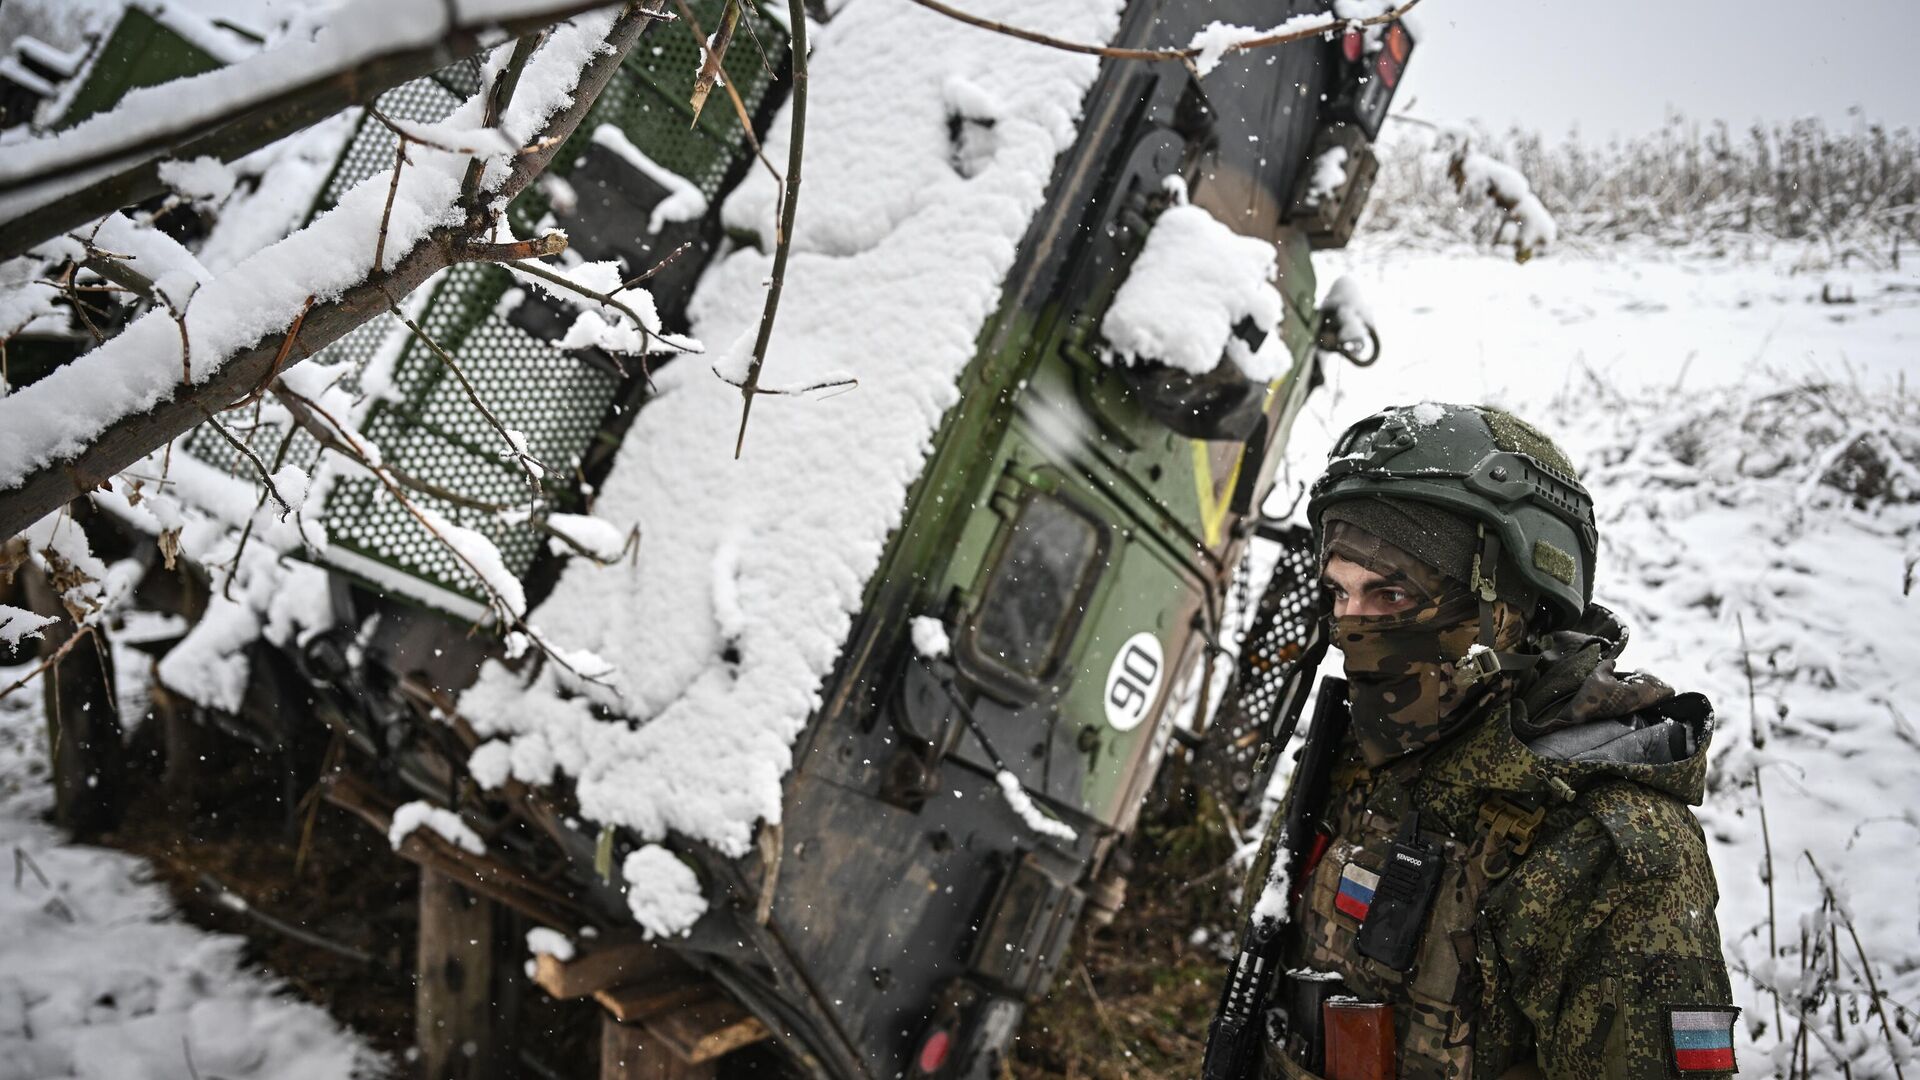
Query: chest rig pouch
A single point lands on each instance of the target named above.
(1391, 933)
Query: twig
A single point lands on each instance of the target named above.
(246, 532)
(504, 84)
(473, 398)
(789, 204)
(1099, 1007)
(824, 384)
(279, 359)
(646, 336)
(386, 213)
(514, 251)
(1760, 799)
(261, 466)
(327, 440)
(22, 860)
(234, 902)
(58, 655)
(714, 52)
(1187, 55)
(647, 274)
(766, 65)
(1866, 969)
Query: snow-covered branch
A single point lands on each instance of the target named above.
(61, 181)
(88, 420)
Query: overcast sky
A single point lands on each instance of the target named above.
(1618, 65)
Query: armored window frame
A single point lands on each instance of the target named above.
(985, 649)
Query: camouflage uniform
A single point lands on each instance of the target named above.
(1573, 926)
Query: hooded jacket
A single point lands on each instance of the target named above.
(1585, 932)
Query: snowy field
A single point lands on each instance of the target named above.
(1671, 380)
(101, 978)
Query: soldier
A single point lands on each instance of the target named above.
(1503, 857)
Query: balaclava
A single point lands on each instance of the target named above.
(1407, 688)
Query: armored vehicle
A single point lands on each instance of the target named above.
(1044, 624)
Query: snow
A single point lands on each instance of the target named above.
(1347, 305)
(1195, 280)
(420, 814)
(17, 625)
(201, 32)
(542, 940)
(1711, 403)
(1326, 174)
(596, 537)
(481, 558)
(260, 295)
(204, 178)
(750, 570)
(1037, 820)
(1271, 907)
(684, 201)
(930, 637)
(662, 892)
(1218, 38)
(101, 977)
(210, 665)
(1480, 174)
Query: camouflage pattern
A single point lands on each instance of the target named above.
(1400, 672)
(1405, 682)
(1561, 945)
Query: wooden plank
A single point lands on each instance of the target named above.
(608, 966)
(83, 718)
(635, 1002)
(704, 1031)
(630, 1052)
(453, 998)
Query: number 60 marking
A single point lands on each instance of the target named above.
(1133, 682)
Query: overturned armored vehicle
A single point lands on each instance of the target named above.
(834, 742)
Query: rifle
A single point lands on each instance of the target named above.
(1239, 1024)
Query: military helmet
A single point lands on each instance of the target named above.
(1490, 467)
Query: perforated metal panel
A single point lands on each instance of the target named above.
(1275, 642)
(427, 427)
(423, 101)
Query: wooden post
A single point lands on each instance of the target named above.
(454, 1000)
(631, 1052)
(83, 721)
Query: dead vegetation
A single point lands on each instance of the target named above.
(1132, 1001)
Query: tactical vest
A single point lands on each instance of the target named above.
(1436, 998)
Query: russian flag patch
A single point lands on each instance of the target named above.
(1355, 897)
(1702, 1038)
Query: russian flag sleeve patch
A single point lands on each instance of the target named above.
(1355, 897)
(1702, 1038)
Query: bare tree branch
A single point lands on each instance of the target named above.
(1185, 55)
(789, 204)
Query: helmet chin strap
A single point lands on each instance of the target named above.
(1486, 661)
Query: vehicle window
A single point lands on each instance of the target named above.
(1037, 590)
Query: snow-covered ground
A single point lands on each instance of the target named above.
(1712, 404)
(101, 978)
